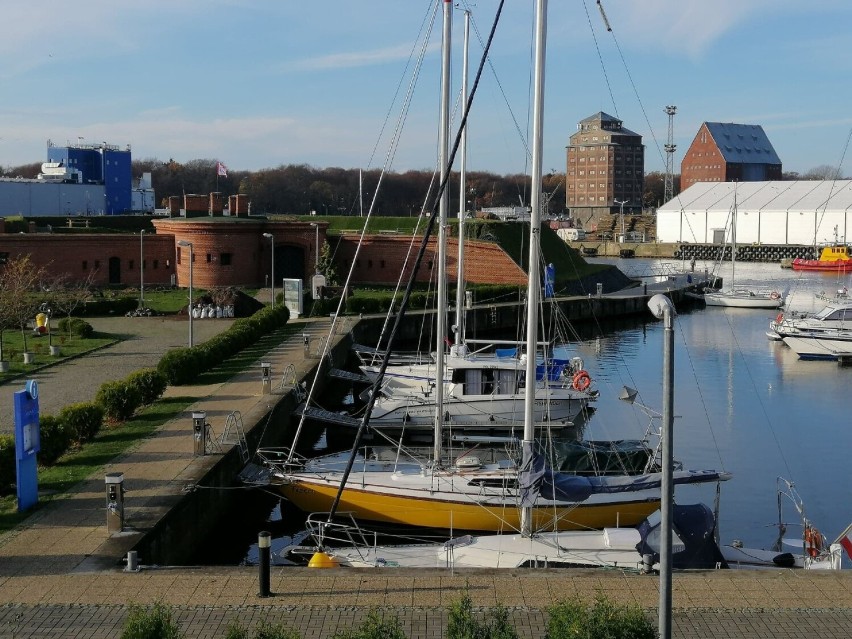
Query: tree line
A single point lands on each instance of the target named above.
(298, 189)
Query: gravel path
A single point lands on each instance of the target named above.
(77, 380)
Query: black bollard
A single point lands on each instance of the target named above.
(263, 552)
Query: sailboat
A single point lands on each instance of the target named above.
(465, 493)
(741, 296)
(486, 384)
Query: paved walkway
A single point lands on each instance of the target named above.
(145, 339)
(60, 574)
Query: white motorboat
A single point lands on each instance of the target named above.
(835, 315)
(829, 344)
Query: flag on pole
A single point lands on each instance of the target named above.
(845, 540)
(221, 169)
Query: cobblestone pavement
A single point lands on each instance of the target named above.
(145, 339)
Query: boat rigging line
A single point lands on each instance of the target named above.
(421, 252)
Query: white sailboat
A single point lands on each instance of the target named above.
(466, 494)
(742, 296)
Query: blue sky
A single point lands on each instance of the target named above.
(259, 83)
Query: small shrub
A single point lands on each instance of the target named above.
(118, 399)
(75, 326)
(150, 382)
(55, 439)
(236, 631)
(274, 631)
(375, 626)
(463, 624)
(577, 620)
(81, 421)
(155, 623)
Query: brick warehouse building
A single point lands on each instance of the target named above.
(727, 152)
(606, 165)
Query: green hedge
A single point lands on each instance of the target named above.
(55, 437)
(108, 306)
(181, 366)
(7, 463)
(119, 400)
(82, 420)
(75, 326)
(150, 382)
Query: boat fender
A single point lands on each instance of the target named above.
(784, 560)
(581, 381)
(323, 560)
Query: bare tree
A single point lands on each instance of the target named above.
(22, 279)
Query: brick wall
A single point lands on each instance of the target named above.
(234, 252)
(381, 259)
(79, 255)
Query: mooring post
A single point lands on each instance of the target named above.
(263, 551)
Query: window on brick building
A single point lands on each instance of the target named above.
(178, 255)
(130, 265)
(85, 265)
(382, 263)
(369, 263)
(156, 264)
(209, 258)
(97, 264)
(144, 264)
(225, 259)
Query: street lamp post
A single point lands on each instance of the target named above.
(316, 249)
(141, 271)
(622, 203)
(662, 308)
(272, 243)
(189, 244)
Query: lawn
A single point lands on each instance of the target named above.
(69, 346)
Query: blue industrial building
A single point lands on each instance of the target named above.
(99, 164)
(83, 179)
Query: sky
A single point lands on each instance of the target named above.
(261, 83)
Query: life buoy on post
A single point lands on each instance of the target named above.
(813, 541)
(775, 295)
(581, 381)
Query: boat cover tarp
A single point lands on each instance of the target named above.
(695, 525)
(536, 479)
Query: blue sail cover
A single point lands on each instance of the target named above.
(537, 480)
(530, 476)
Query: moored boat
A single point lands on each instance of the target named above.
(833, 258)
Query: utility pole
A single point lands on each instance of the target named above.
(670, 147)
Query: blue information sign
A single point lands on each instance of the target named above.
(27, 444)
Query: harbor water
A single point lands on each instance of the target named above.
(743, 403)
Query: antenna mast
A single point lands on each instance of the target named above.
(670, 147)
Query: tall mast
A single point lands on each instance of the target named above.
(533, 277)
(460, 281)
(444, 205)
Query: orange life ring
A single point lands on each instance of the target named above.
(813, 541)
(779, 318)
(775, 295)
(581, 381)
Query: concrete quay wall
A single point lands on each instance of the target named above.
(208, 479)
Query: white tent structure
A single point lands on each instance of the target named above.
(783, 212)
